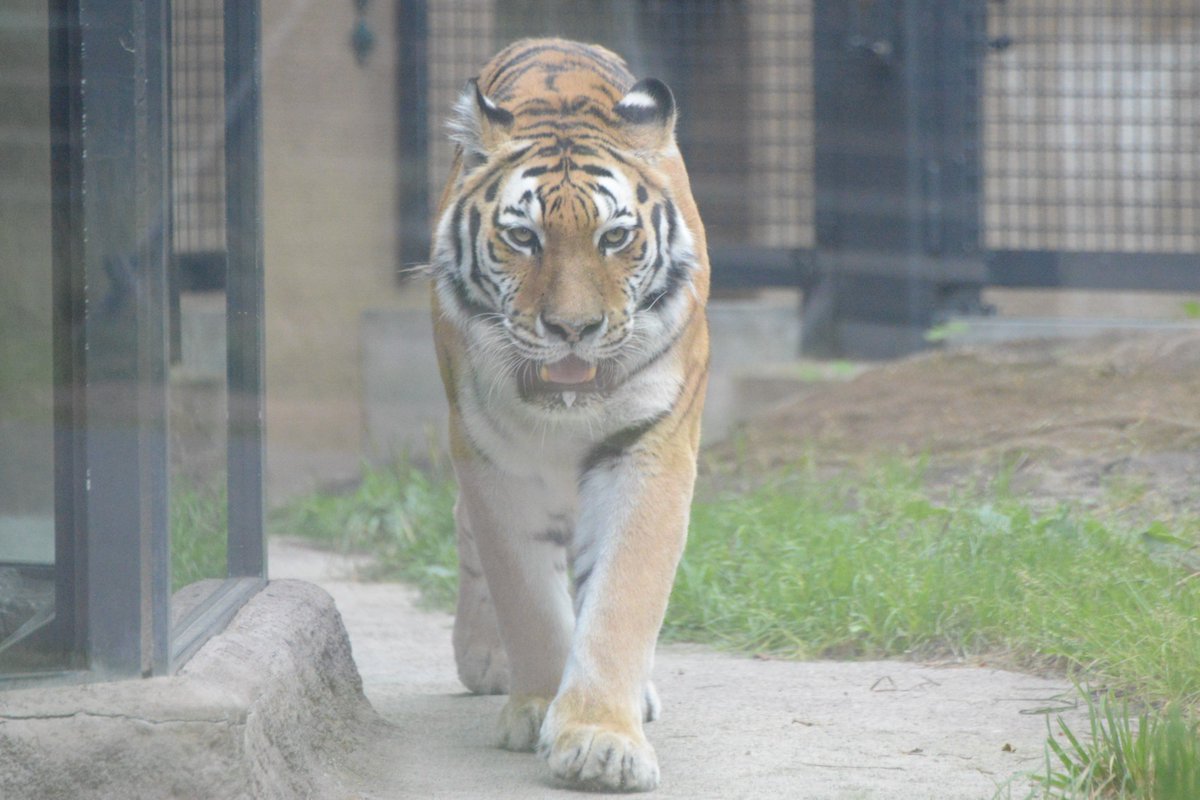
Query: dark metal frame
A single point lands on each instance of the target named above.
(247, 557)
(412, 134)
(897, 176)
(117, 215)
(111, 221)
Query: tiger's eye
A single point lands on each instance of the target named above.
(522, 236)
(615, 237)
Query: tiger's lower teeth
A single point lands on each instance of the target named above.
(568, 399)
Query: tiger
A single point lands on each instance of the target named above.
(569, 281)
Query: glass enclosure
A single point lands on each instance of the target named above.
(875, 179)
(27, 596)
(198, 385)
(130, 334)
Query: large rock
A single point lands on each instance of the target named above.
(270, 708)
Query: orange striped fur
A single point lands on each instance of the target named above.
(570, 277)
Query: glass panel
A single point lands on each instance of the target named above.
(27, 588)
(198, 388)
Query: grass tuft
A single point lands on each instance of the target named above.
(808, 568)
(199, 533)
(1156, 758)
(402, 516)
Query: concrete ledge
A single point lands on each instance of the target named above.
(270, 708)
(973, 331)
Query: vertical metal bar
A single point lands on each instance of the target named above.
(124, 210)
(412, 133)
(66, 128)
(895, 98)
(154, 338)
(244, 287)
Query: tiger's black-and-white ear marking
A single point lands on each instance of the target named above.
(648, 110)
(477, 124)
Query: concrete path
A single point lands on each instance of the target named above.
(732, 727)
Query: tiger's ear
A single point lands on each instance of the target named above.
(477, 124)
(648, 113)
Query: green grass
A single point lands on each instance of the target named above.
(199, 534)
(401, 515)
(870, 566)
(1155, 758)
(810, 568)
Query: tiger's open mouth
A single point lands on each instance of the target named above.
(569, 371)
(565, 380)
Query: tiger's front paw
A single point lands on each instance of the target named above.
(598, 755)
(520, 722)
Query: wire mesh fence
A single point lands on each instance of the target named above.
(198, 126)
(741, 73)
(1092, 126)
(1090, 110)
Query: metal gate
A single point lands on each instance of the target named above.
(889, 157)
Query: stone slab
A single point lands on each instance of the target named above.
(270, 708)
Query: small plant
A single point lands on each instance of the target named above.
(1158, 758)
(199, 533)
(939, 334)
(1191, 309)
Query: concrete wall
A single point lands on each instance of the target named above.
(328, 201)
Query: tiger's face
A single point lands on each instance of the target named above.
(561, 251)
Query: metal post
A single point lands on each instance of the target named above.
(412, 137)
(244, 286)
(896, 168)
(70, 467)
(121, 263)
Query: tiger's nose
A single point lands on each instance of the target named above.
(572, 329)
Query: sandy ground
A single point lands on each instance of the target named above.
(732, 727)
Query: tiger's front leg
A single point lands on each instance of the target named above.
(631, 532)
(517, 525)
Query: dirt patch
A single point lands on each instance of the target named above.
(1110, 421)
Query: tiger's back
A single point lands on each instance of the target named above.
(570, 276)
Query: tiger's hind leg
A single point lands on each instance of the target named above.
(478, 650)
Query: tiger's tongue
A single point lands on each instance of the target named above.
(570, 370)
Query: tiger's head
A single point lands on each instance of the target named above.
(561, 249)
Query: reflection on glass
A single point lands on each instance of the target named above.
(198, 385)
(27, 589)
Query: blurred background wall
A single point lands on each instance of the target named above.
(329, 142)
(1087, 112)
